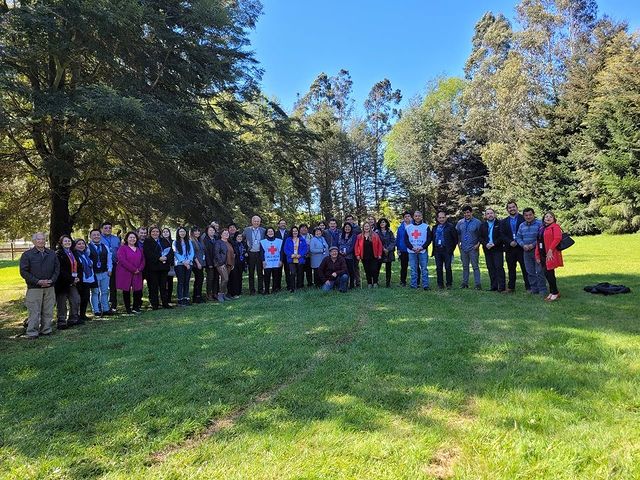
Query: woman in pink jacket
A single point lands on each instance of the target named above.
(129, 272)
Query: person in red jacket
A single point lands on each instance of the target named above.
(547, 253)
(368, 249)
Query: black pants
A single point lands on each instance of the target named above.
(296, 278)
(550, 275)
(317, 281)
(404, 267)
(270, 274)
(113, 291)
(495, 265)
(356, 268)
(255, 267)
(85, 297)
(213, 282)
(371, 270)
(234, 287)
(443, 259)
(198, 280)
(157, 282)
(351, 268)
(277, 279)
(137, 300)
(287, 274)
(169, 287)
(515, 256)
(387, 272)
(308, 272)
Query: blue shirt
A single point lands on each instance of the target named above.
(468, 233)
(491, 225)
(528, 233)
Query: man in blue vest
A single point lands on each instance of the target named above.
(417, 236)
(100, 255)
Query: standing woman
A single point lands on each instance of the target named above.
(66, 286)
(388, 247)
(270, 252)
(368, 249)
(295, 250)
(209, 245)
(346, 246)
(547, 253)
(183, 255)
(225, 263)
(158, 259)
(198, 265)
(240, 250)
(129, 272)
(319, 249)
(88, 278)
(166, 234)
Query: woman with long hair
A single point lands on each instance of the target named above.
(240, 260)
(295, 250)
(166, 234)
(388, 248)
(368, 249)
(183, 252)
(88, 278)
(199, 263)
(66, 286)
(547, 253)
(346, 247)
(319, 249)
(225, 263)
(129, 272)
(209, 240)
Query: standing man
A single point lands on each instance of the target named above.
(513, 252)
(491, 240)
(113, 244)
(254, 234)
(526, 237)
(40, 268)
(282, 233)
(468, 229)
(355, 228)
(445, 240)
(334, 233)
(142, 236)
(402, 248)
(417, 236)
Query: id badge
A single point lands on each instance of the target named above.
(439, 243)
(99, 265)
(74, 274)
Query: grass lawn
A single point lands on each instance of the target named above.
(390, 383)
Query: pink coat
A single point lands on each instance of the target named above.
(128, 262)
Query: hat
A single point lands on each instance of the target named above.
(333, 248)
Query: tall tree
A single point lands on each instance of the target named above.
(96, 95)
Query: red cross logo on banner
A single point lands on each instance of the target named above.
(416, 234)
(272, 250)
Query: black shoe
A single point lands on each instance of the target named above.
(464, 286)
(137, 311)
(62, 326)
(478, 287)
(167, 306)
(426, 288)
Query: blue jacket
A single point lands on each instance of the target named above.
(401, 244)
(184, 256)
(288, 249)
(346, 246)
(334, 237)
(319, 249)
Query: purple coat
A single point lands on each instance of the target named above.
(128, 262)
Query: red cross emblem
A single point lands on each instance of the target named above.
(415, 234)
(272, 250)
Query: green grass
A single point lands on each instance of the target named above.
(395, 384)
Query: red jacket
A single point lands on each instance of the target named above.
(552, 238)
(359, 246)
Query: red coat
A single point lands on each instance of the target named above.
(552, 238)
(377, 245)
(128, 262)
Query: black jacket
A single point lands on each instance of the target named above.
(497, 236)
(450, 239)
(209, 251)
(507, 234)
(65, 278)
(152, 253)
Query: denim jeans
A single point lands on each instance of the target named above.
(100, 294)
(535, 272)
(342, 281)
(419, 259)
(183, 275)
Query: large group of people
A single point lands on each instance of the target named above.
(82, 273)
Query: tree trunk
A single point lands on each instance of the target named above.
(61, 221)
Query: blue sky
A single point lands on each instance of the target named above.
(407, 41)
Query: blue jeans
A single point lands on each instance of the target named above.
(100, 294)
(535, 273)
(342, 281)
(183, 275)
(421, 259)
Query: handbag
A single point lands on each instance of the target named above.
(566, 242)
